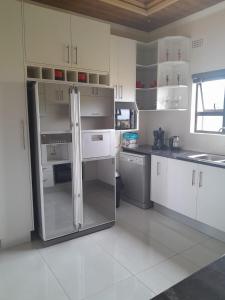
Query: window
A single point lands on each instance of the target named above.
(210, 102)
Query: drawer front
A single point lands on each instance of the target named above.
(97, 144)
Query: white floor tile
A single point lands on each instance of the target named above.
(170, 238)
(128, 289)
(200, 255)
(155, 280)
(83, 268)
(135, 250)
(158, 250)
(215, 246)
(24, 276)
(188, 232)
(177, 268)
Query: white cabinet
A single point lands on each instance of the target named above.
(47, 36)
(194, 190)
(211, 196)
(90, 44)
(61, 39)
(15, 184)
(123, 68)
(159, 179)
(182, 187)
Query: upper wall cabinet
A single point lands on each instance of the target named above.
(90, 44)
(60, 39)
(123, 68)
(47, 36)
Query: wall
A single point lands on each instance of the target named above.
(209, 25)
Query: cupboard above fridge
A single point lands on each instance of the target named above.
(72, 148)
(62, 39)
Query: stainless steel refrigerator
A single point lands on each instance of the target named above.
(73, 158)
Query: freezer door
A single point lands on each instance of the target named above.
(56, 160)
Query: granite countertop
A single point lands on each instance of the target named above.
(180, 155)
(206, 284)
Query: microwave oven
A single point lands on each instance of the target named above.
(125, 119)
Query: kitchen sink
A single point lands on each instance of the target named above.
(209, 157)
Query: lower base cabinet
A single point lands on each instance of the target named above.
(159, 179)
(181, 187)
(194, 190)
(211, 197)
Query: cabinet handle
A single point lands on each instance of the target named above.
(57, 95)
(23, 134)
(200, 179)
(121, 96)
(76, 56)
(116, 91)
(158, 169)
(193, 177)
(68, 54)
(62, 95)
(121, 91)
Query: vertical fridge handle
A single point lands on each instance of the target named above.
(77, 160)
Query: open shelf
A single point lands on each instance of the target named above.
(40, 73)
(172, 86)
(71, 76)
(146, 66)
(147, 89)
(47, 73)
(34, 72)
(162, 74)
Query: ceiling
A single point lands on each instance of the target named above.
(145, 15)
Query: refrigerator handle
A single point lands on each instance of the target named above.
(77, 160)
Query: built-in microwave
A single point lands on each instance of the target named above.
(125, 118)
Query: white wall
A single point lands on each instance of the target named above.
(209, 25)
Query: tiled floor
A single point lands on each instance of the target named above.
(144, 254)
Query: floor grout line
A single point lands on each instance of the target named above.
(54, 275)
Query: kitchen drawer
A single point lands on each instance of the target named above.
(97, 143)
(48, 178)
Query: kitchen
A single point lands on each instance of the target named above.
(64, 96)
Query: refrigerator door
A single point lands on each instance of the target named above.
(57, 160)
(98, 166)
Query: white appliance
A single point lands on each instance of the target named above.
(71, 195)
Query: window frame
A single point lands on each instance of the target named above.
(213, 113)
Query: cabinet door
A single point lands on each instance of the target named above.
(47, 36)
(182, 187)
(126, 69)
(90, 44)
(158, 179)
(211, 197)
(114, 42)
(15, 184)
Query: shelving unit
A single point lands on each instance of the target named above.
(162, 74)
(42, 73)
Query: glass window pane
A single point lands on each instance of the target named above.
(213, 95)
(209, 123)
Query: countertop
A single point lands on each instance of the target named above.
(206, 284)
(180, 155)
